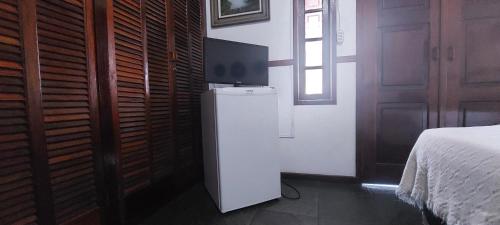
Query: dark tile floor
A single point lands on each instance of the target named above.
(322, 203)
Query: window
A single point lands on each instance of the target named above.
(315, 52)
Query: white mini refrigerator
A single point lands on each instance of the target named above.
(240, 146)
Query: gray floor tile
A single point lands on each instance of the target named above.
(322, 203)
(350, 204)
(268, 217)
(307, 205)
(241, 216)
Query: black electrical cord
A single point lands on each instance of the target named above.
(293, 188)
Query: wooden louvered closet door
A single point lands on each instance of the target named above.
(49, 125)
(183, 107)
(134, 155)
(67, 73)
(188, 38)
(85, 159)
(150, 81)
(160, 89)
(136, 97)
(17, 199)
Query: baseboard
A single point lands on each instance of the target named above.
(328, 178)
(90, 217)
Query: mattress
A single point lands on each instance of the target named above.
(455, 172)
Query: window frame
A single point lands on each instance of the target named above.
(329, 34)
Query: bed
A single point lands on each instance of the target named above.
(455, 174)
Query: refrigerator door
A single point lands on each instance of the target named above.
(247, 132)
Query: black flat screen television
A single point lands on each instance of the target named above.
(229, 62)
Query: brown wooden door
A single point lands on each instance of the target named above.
(184, 94)
(49, 114)
(132, 95)
(160, 89)
(51, 154)
(471, 63)
(65, 35)
(146, 50)
(17, 190)
(397, 92)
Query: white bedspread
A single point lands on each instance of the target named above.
(456, 173)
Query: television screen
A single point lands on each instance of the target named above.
(230, 62)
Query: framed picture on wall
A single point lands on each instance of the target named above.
(231, 12)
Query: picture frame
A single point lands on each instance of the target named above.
(233, 12)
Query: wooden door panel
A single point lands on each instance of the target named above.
(470, 71)
(397, 83)
(132, 95)
(398, 128)
(399, 125)
(17, 193)
(479, 113)
(387, 4)
(162, 148)
(67, 72)
(482, 44)
(402, 112)
(473, 9)
(148, 96)
(400, 45)
(404, 80)
(183, 87)
(396, 12)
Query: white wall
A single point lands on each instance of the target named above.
(315, 139)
